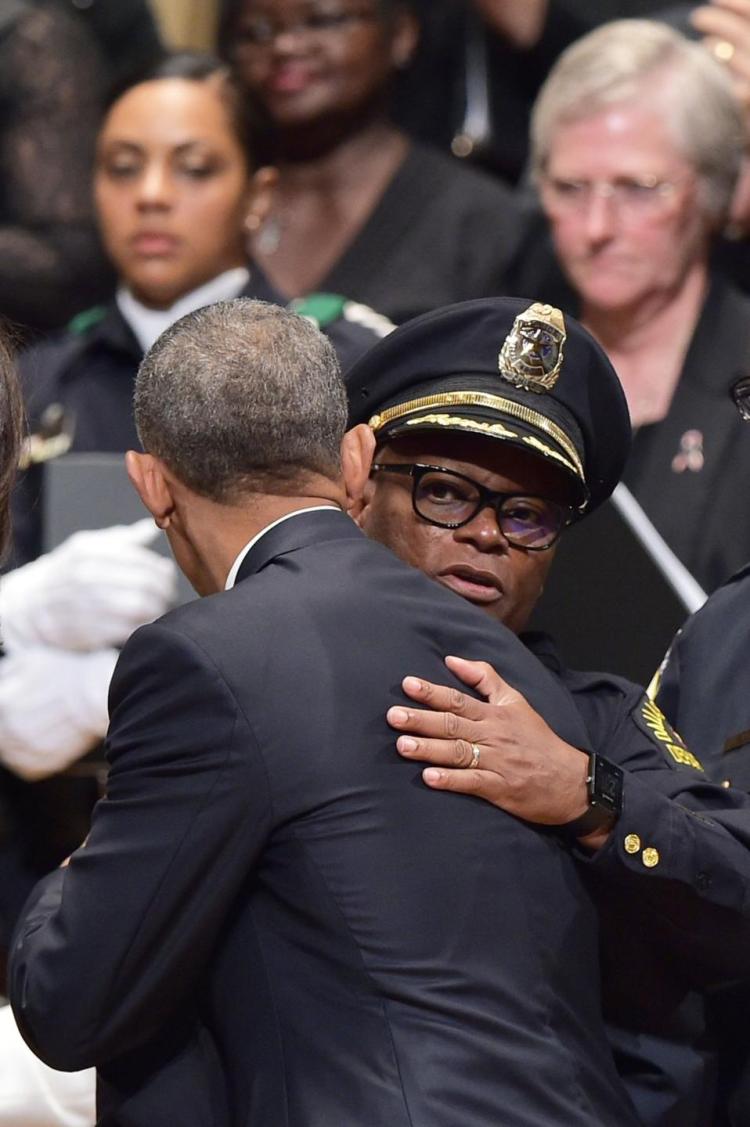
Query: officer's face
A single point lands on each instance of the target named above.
(624, 208)
(475, 561)
(311, 60)
(173, 188)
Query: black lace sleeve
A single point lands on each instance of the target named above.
(51, 97)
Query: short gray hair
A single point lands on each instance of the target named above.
(609, 65)
(242, 396)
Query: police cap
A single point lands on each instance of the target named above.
(506, 369)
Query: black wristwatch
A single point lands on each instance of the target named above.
(604, 784)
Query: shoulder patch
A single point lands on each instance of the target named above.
(321, 308)
(86, 320)
(652, 721)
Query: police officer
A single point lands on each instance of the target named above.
(708, 662)
(498, 424)
(703, 687)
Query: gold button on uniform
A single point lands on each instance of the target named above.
(650, 857)
(632, 843)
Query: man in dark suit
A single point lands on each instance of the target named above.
(263, 858)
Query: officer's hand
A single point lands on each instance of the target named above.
(91, 592)
(523, 766)
(53, 708)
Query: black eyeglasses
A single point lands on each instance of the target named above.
(741, 396)
(450, 500)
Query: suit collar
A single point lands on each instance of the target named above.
(300, 532)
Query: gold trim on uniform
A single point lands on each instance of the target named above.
(496, 429)
(532, 352)
(53, 438)
(663, 731)
(548, 452)
(493, 402)
(36, 449)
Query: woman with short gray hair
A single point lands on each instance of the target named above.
(638, 141)
(611, 66)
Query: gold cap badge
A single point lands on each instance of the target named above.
(532, 354)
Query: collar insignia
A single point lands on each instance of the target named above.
(532, 353)
(53, 438)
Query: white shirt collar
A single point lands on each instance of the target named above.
(148, 324)
(234, 569)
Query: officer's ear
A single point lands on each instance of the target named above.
(148, 478)
(357, 449)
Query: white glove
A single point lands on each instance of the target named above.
(33, 1095)
(53, 708)
(92, 591)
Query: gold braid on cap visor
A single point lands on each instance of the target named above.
(480, 399)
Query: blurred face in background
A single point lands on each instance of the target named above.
(173, 188)
(624, 208)
(306, 60)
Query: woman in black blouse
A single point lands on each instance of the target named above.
(359, 208)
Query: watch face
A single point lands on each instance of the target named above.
(607, 784)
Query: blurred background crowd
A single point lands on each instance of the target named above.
(367, 160)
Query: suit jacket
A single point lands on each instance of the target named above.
(363, 950)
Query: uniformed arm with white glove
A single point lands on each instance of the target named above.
(61, 616)
(91, 592)
(53, 708)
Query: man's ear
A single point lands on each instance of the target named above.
(357, 449)
(147, 477)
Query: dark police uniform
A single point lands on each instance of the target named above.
(674, 872)
(704, 684)
(90, 369)
(656, 1020)
(704, 688)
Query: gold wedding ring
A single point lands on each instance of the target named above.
(474, 756)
